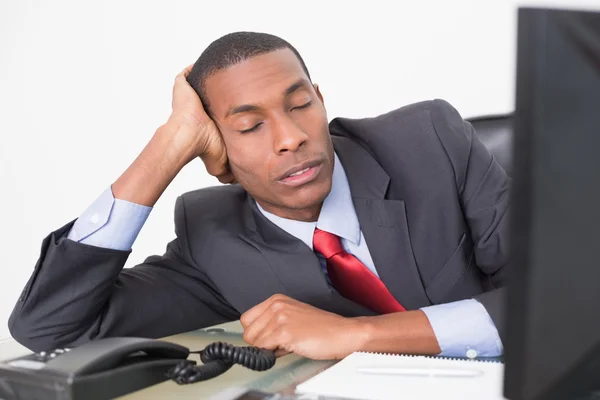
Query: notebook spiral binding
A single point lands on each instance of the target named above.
(480, 360)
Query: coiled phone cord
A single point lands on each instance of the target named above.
(217, 358)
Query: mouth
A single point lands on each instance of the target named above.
(301, 174)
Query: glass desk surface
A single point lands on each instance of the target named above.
(289, 370)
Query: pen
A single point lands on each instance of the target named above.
(424, 372)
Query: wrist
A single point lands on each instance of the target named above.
(154, 168)
(181, 121)
(178, 138)
(406, 332)
(364, 332)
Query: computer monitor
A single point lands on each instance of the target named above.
(552, 347)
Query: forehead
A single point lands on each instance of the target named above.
(255, 81)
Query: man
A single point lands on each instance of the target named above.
(382, 234)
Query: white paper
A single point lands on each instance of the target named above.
(344, 380)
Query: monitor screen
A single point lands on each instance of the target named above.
(552, 348)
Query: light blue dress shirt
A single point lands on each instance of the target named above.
(462, 328)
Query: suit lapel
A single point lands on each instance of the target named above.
(295, 265)
(383, 223)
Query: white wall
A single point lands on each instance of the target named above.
(84, 85)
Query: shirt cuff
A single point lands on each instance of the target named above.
(110, 223)
(464, 329)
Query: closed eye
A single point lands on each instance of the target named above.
(302, 106)
(255, 127)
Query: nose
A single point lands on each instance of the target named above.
(287, 135)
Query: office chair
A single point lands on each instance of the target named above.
(496, 133)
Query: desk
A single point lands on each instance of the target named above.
(288, 371)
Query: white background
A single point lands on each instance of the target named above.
(84, 85)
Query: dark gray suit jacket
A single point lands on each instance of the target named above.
(432, 204)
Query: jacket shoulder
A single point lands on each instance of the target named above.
(409, 121)
(420, 108)
(212, 208)
(216, 197)
(436, 108)
(418, 125)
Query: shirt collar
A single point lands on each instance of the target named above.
(337, 213)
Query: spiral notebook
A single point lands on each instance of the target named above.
(373, 376)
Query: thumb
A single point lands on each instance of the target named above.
(216, 163)
(215, 156)
(227, 178)
(281, 353)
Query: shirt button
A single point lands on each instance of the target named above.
(95, 218)
(471, 353)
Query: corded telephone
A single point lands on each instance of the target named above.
(111, 367)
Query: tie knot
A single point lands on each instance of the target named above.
(327, 243)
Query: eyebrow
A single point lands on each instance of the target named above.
(251, 107)
(241, 109)
(295, 86)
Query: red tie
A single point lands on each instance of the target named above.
(351, 278)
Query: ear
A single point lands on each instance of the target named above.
(319, 95)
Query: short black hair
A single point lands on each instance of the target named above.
(233, 49)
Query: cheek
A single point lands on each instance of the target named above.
(249, 159)
(314, 122)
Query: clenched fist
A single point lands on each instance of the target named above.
(288, 326)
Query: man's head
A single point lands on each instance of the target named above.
(258, 91)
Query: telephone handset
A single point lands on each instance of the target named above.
(111, 367)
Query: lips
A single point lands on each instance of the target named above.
(299, 169)
(301, 174)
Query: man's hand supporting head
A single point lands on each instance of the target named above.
(189, 133)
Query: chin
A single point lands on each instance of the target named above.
(309, 196)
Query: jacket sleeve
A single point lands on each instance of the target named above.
(79, 292)
(483, 187)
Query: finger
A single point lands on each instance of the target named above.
(256, 328)
(216, 168)
(181, 78)
(255, 319)
(274, 337)
(263, 337)
(216, 160)
(226, 178)
(281, 353)
(250, 316)
(216, 165)
(185, 72)
(253, 313)
(276, 315)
